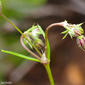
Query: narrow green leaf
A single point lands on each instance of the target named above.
(20, 55)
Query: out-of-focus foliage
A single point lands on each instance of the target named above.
(21, 7)
(18, 9)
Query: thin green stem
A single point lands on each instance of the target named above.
(20, 55)
(20, 32)
(9, 21)
(47, 67)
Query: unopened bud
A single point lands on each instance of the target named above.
(81, 42)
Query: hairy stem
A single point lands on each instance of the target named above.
(47, 67)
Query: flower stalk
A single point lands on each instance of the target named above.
(47, 67)
(46, 36)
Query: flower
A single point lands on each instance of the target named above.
(36, 35)
(73, 30)
(81, 42)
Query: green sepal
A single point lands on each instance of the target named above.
(71, 36)
(65, 36)
(79, 24)
(43, 33)
(34, 39)
(64, 32)
(34, 27)
(31, 28)
(21, 55)
(80, 37)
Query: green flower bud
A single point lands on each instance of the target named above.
(72, 29)
(81, 42)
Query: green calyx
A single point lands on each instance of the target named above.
(80, 37)
(36, 29)
(72, 29)
(33, 34)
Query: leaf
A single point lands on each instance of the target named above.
(20, 55)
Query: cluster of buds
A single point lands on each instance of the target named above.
(34, 34)
(75, 31)
(72, 29)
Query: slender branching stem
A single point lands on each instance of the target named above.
(47, 67)
(27, 49)
(47, 64)
(46, 34)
